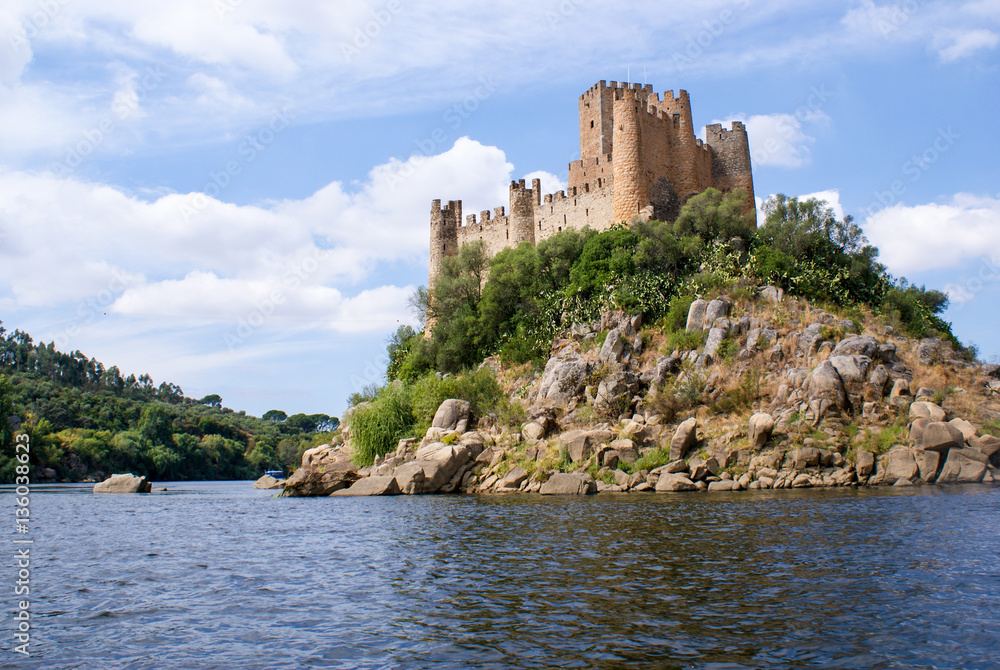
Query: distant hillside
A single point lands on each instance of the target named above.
(87, 421)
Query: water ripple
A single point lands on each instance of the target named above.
(223, 576)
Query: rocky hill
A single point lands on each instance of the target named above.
(755, 391)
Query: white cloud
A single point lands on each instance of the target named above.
(958, 295)
(936, 236)
(831, 197)
(550, 182)
(781, 139)
(966, 43)
(197, 258)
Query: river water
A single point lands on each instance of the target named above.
(219, 575)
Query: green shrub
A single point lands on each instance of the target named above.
(378, 426)
(647, 461)
(677, 314)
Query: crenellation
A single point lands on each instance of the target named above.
(639, 158)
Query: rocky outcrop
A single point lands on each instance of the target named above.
(268, 482)
(685, 437)
(571, 483)
(126, 483)
(761, 427)
(371, 486)
(324, 469)
(435, 466)
(452, 415)
(825, 391)
(562, 380)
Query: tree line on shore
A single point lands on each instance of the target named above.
(86, 420)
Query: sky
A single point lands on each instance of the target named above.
(234, 195)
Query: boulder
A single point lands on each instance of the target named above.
(759, 339)
(865, 463)
(939, 436)
(562, 380)
(571, 483)
(268, 482)
(452, 415)
(674, 482)
(724, 485)
(615, 391)
(772, 294)
(371, 486)
(701, 468)
(715, 338)
(324, 470)
(761, 426)
(926, 410)
(917, 428)
(126, 483)
(857, 346)
(613, 348)
(900, 388)
(664, 368)
(853, 372)
(805, 457)
(878, 384)
(964, 466)
(967, 429)
(436, 465)
(900, 464)
(580, 444)
(988, 446)
(533, 431)
(696, 315)
(824, 384)
(685, 437)
(715, 310)
(929, 462)
(512, 480)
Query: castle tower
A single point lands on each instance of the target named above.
(630, 196)
(444, 235)
(522, 211)
(596, 122)
(731, 160)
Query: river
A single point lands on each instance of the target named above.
(219, 575)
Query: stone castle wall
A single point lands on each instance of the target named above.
(639, 158)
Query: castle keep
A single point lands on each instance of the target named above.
(639, 158)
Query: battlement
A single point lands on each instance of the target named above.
(639, 157)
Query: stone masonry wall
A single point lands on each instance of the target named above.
(639, 157)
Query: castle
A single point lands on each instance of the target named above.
(639, 158)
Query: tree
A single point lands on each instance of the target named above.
(275, 415)
(213, 400)
(714, 214)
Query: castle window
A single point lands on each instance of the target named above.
(444, 247)
(564, 219)
(508, 234)
(560, 229)
(586, 212)
(591, 124)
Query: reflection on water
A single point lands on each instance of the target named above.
(222, 576)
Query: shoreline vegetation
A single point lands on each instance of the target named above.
(87, 421)
(704, 354)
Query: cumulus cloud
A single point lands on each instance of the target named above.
(195, 257)
(550, 182)
(781, 139)
(952, 235)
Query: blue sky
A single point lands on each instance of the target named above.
(233, 195)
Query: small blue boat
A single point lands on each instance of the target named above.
(277, 474)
